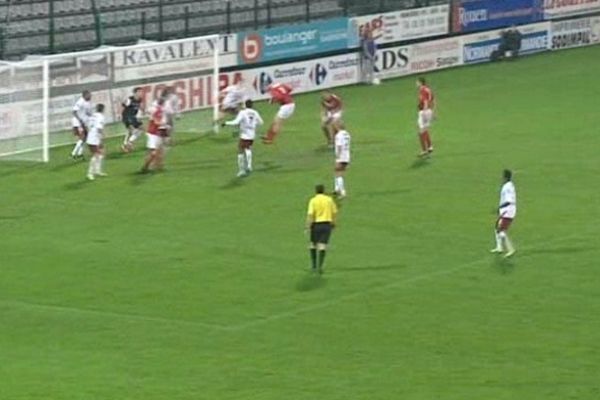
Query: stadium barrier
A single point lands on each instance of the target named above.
(28, 108)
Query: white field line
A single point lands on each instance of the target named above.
(274, 317)
(110, 314)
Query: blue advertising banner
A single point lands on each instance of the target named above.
(479, 15)
(293, 41)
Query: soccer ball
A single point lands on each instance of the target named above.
(376, 81)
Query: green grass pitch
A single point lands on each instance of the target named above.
(192, 285)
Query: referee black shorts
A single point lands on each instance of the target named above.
(320, 232)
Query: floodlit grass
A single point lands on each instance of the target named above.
(191, 284)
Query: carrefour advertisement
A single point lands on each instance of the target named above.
(479, 47)
(293, 41)
(479, 15)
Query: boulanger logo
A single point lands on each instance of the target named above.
(262, 82)
(251, 48)
(318, 74)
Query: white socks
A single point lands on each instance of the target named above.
(498, 241)
(134, 136)
(503, 237)
(241, 163)
(92, 167)
(245, 161)
(96, 163)
(78, 149)
(339, 185)
(248, 153)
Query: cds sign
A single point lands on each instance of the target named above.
(575, 33)
(479, 47)
(392, 62)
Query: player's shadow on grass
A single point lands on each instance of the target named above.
(268, 166)
(420, 163)
(234, 183)
(67, 164)
(310, 282)
(139, 177)
(77, 185)
(504, 266)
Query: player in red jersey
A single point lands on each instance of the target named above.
(331, 113)
(157, 132)
(426, 107)
(282, 95)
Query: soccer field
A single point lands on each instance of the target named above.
(191, 284)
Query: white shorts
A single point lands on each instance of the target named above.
(230, 104)
(333, 116)
(509, 211)
(425, 119)
(154, 142)
(286, 111)
(93, 139)
(75, 123)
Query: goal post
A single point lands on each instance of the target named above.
(36, 102)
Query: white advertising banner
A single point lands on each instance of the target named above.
(566, 8)
(173, 58)
(575, 33)
(434, 55)
(405, 25)
(304, 76)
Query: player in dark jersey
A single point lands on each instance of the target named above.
(130, 117)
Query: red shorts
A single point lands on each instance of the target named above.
(503, 224)
(245, 143)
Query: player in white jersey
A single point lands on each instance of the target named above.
(231, 99)
(342, 157)
(82, 111)
(507, 211)
(248, 120)
(94, 140)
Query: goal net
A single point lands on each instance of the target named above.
(37, 95)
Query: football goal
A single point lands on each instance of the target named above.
(37, 95)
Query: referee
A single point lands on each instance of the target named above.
(320, 219)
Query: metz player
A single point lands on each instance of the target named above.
(157, 131)
(426, 108)
(231, 100)
(507, 212)
(171, 107)
(130, 117)
(248, 120)
(282, 95)
(342, 157)
(82, 111)
(94, 141)
(331, 113)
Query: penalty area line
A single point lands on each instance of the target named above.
(111, 314)
(384, 288)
